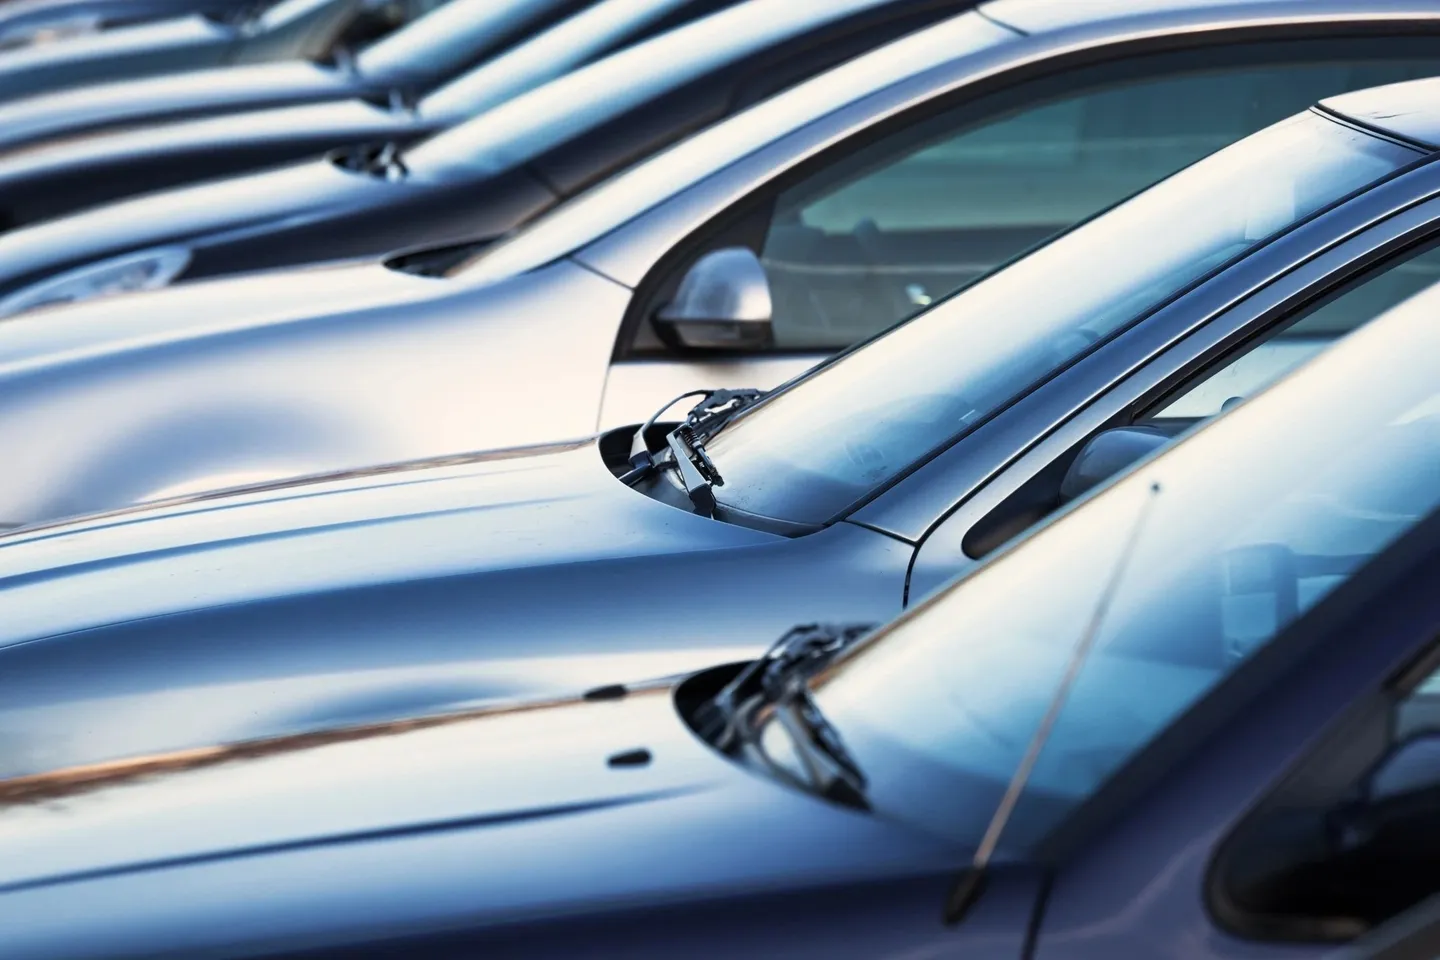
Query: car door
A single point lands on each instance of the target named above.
(1240, 349)
(907, 212)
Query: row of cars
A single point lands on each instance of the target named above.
(844, 479)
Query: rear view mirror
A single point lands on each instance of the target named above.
(1106, 454)
(723, 303)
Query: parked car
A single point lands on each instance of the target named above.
(876, 202)
(391, 76)
(26, 22)
(476, 183)
(297, 605)
(290, 29)
(616, 111)
(1198, 708)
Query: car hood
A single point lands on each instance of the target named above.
(492, 511)
(74, 333)
(341, 122)
(229, 207)
(533, 783)
(68, 113)
(26, 70)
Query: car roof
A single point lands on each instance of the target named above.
(1042, 16)
(1408, 111)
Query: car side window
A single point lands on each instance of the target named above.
(909, 219)
(1206, 394)
(1277, 355)
(1351, 840)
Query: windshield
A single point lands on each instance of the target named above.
(1257, 517)
(812, 450)
(582, 101)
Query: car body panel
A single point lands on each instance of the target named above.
(1397, 110)
(49, 180)
(422, 588)
(98, 106)
(293, 29)
(503, 829)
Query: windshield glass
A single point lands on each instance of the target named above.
(562, 110)
(1257, 517)
(813, 449)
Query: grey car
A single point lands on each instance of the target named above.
(291, 29)
(862, 196)
(180, 129)
(455, 582)
(523, 42)
(1193, 718)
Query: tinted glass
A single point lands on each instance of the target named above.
(1277, 355)
(813, 449)
(1216, 545)
(907, 221)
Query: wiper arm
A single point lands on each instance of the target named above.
(686, 444)
(779, 681)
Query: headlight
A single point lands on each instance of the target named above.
(145, 270)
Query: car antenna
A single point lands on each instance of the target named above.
(970, 885)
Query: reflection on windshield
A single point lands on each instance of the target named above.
(1258, 517)
(814, 449)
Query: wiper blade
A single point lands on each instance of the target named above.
(779, 681)
(686, 444)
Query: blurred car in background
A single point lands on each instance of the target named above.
(616, 111)
(288, 30)
(391, 74)
(811, 221)
(289, 606)
(478, 182)
(1203, 701)
(27, 22)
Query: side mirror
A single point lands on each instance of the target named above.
(722, 304)
(1106, 454)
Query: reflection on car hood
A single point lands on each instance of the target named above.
(75, 111)
(72, 332)
(486, 785)
(501, 510)
(244, 203)
(179, 32)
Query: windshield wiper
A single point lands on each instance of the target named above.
(685, 444)
(780, 681)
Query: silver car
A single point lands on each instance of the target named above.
(455, 582)
(741, 257)
(290, 29)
